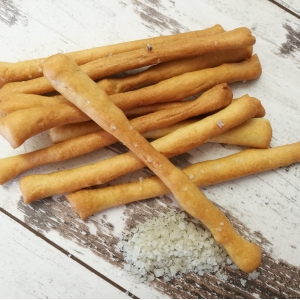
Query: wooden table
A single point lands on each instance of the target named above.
(46, 251)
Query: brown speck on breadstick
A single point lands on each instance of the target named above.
(149, 47)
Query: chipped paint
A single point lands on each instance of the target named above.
(10, 14)
(292, 43)
(277, 279)
(154, 19)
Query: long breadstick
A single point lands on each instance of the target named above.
(20, 125)
(69, 131)
(39, 186)
(189, 84)
(250, 161)
(103, 67)
(14, 102)
(216, 98)
(147, 109)
(29, 69)
(62, 72)
(170, 69)
(255, 133)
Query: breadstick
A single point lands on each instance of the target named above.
(29, 69)
(62, 72)
(39, 186)
(20, 125)
(254, 133)
(62, 133)
(106, 66)
(217, 97)
(69, 131)
(250, 161)
(170, 69)
(14, 102)
(188, 84)
(147, 109)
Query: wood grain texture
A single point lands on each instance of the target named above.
(264, 207)
(46, 272)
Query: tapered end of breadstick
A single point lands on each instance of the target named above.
(9, 135)
(85, 205)
(255, 133)
(246, 255)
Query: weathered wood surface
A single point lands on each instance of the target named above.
(31, 269)
(265, 207)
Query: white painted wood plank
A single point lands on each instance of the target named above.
(292, 5)
(32, 268)
(37, 30)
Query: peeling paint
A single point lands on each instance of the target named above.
(10, 13)
(292, 43)
(277, 279)
(152, 17)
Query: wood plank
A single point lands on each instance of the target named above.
(291, 5)
(252, 203)
(32, 268)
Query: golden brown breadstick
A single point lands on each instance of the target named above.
(29, 69)
(14, 102)
(106, 66)
(39, 186)
(62, 72)
(62, 133)
(254, 133)
(261, 112)
(20, 125)
(217, 97)
(250, 161)
(65, 132)
(147, 109)
(170, 69)
(188, 84)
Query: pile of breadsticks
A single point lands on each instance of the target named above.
(67, 94)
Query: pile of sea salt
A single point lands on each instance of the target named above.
(169, 246)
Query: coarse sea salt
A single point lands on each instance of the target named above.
(169, 246)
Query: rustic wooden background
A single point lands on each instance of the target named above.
(46, 251)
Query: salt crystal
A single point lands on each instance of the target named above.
(220, 123)
(243, 282)
(253, 275)
(158, 272)
(181, 225)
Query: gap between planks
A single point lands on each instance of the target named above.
(285, 8)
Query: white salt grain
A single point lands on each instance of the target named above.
(169, 246)
(243, 282)
(220, 124)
